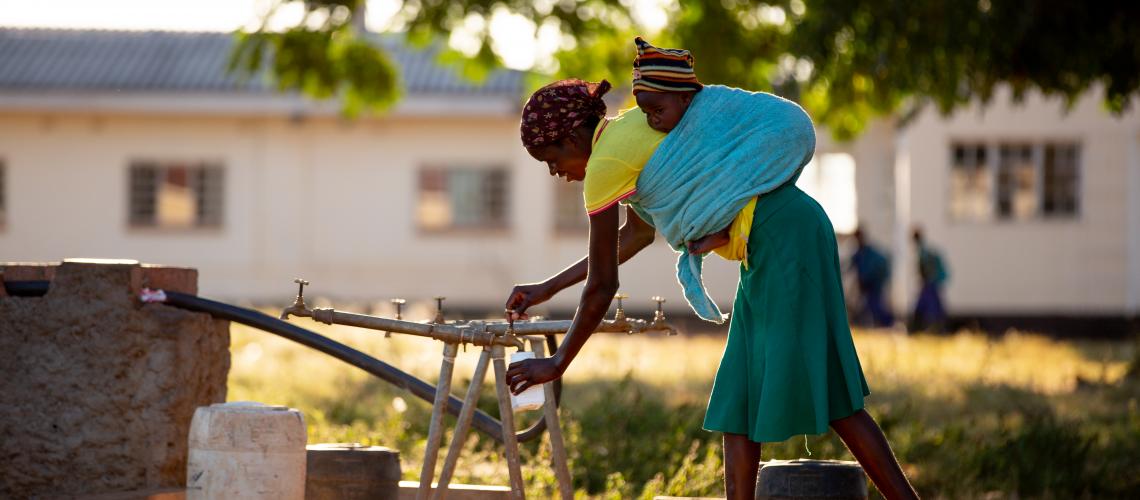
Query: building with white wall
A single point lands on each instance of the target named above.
(139, 145)
(1035, 207)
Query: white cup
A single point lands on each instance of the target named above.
(533, 397)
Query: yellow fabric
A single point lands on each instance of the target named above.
(737, 247)
(623, 144)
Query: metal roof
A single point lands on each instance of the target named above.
(34, 59)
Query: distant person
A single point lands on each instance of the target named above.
(929, 311)
(873, 271)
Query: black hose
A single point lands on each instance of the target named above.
(481, 421)
(26, 288)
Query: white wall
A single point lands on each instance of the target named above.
(1075, 265)
(333, 201)
(874, 154)
(1134, 223)
(329, 200)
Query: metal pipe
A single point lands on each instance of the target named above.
(507, 417)
(455, 334)
(482, 422)
(435, 430)
(557, 445)
(459, 435)
(486, 333)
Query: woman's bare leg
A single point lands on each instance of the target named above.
(741, 464)
(866, 441)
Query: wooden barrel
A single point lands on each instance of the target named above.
(811, 480)
(352, 471)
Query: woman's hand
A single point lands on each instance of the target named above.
(528, 372)
(524, 296)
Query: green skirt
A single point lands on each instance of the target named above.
(789, 365)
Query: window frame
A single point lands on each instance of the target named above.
(991, 177)
(1078, 181)
(193, 167)
(993, 146)
(498, 229)
(581, 231)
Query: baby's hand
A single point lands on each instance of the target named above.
(708, 243)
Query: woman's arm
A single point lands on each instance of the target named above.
(633, 237)
(601, 284)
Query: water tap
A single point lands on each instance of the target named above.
(298, 308)
(658, 322)
(620, 323)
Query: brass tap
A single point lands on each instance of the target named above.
(658, 322)
(620, 323)
(298, 308)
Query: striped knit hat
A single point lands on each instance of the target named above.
(663, 70)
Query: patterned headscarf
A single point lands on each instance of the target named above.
(554, 111)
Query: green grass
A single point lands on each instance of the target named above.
(968, 415)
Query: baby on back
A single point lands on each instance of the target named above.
(663, 85)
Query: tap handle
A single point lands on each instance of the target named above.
(659, 300)
(510, 321)
(439, 309)
(399, 303)
(300, 286)
(619, 296)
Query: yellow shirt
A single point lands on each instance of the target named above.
(622, 146)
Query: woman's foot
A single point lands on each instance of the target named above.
(708, 243)
(866, 441)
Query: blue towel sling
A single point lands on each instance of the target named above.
(730, 146)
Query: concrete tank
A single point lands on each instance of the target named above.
(246, 450)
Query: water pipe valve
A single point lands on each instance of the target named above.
(620, 323)
(399, 303)
(439, 309)
(620, 313)
(658, 322)
(298, 308)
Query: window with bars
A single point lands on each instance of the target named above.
(462, 198)
(175, 195)
(971, 183)
(1060, 180)
(1014, 180)
(569, 209)
(570, 218)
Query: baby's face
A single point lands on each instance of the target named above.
(663, 110)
